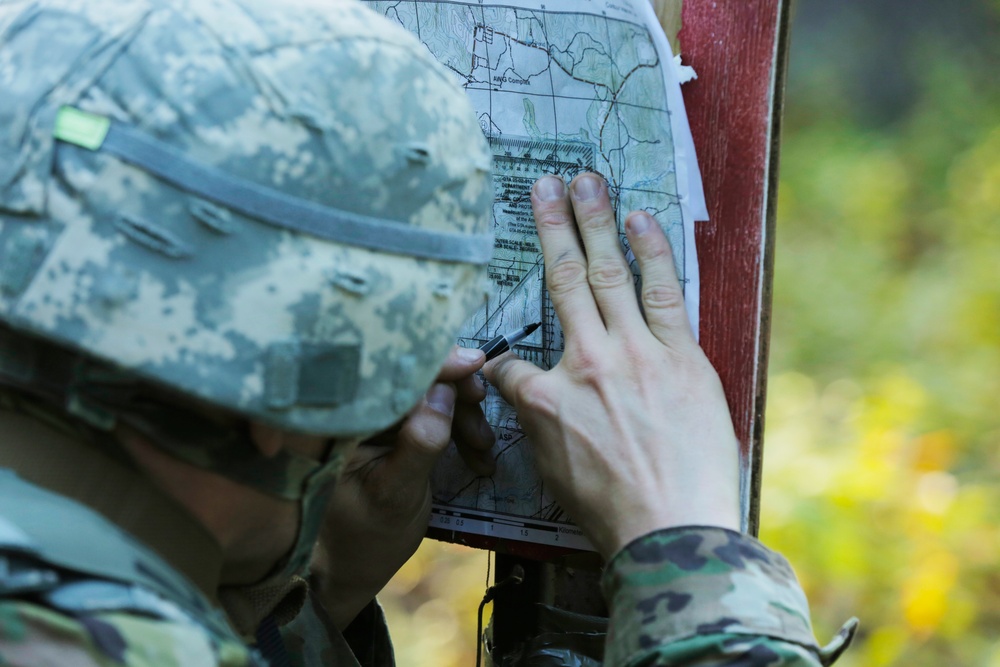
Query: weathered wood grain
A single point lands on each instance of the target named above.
(739, 51)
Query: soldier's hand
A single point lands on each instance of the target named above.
(631, 429)
(382, 502)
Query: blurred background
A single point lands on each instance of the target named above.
(882, 445)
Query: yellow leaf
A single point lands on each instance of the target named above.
(925, 593)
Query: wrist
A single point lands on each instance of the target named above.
(345, 588)
(625, 532)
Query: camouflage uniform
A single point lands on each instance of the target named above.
(709, 596)
(60, 609)
(684, 596)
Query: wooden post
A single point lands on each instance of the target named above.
(739, 50)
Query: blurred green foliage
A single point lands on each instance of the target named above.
(431, 605)
(882, 445)
(882, 448)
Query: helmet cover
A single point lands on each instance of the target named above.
(281, 209)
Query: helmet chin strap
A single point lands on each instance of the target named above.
(226, 449)
(100, 396)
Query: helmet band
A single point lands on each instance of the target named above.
(256, 201)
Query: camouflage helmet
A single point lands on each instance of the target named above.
(277, 208)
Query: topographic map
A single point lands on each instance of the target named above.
(560, 87)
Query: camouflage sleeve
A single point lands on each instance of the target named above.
(709, 596)
(33, 635)
(312, 639)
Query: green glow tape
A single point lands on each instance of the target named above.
(81, 128)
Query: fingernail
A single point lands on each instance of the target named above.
(470, 355)
(441, 398)
(587, 187)
(640, 222)
(550, 188)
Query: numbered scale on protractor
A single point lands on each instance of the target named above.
(509, 528)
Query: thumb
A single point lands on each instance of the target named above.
(426, 432)
(508, 372)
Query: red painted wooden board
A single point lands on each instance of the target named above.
(738, 50)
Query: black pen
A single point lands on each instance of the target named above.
(497, 346)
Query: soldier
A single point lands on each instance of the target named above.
(237, 238)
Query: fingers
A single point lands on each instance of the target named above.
(449, 410)
(470, 390)
(426, 432)
(662, 298)
(460, 370)
(610, 279)
(470, 431)
(437, 420)
(461, 363)
(474, 439)
(565, 264)
(508, 372)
